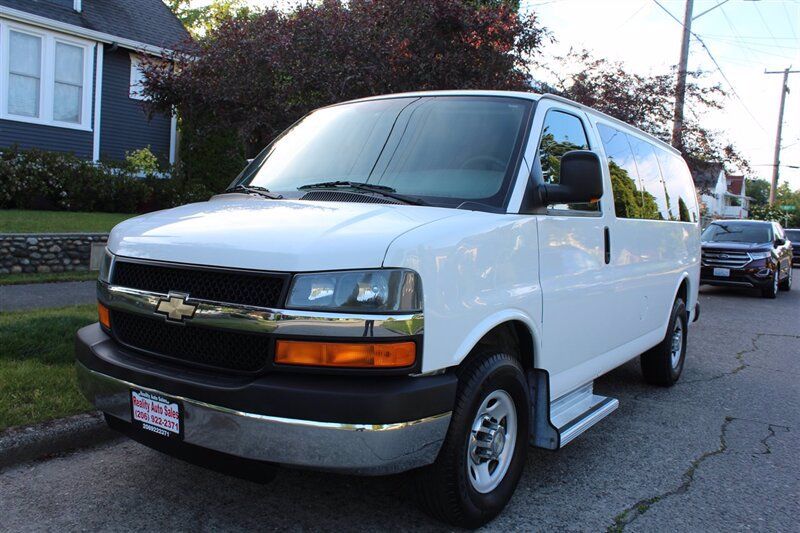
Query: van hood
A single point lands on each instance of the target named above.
(244, 231)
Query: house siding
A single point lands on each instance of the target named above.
(124, 124)
(49, 138)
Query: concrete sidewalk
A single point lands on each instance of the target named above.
(43, 295)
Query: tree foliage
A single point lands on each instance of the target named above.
(202, 20)
(257, 74)
(758, 190)
(646, 102)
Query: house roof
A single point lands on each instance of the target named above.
(145, 21)
(735, 184)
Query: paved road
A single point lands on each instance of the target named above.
(40, 295)
(717, 452)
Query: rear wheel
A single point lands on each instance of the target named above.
(786, 285)
(771, 291)
(484, 452)
(662, 365)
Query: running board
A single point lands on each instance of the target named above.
(568, 416)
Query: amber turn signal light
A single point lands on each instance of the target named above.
(102, 313)
(345, 355)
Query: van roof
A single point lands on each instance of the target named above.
(527, 96)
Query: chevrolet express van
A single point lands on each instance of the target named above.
(427, 281)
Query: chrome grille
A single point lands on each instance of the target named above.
(725, 258)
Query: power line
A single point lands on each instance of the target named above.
(719, 68)
(764, 22)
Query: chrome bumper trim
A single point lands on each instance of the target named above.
(265, 320)
(371, 449)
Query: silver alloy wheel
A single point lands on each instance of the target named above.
(492, 442)
(677, 343)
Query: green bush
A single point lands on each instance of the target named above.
(36, 179)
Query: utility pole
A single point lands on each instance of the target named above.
(776, 161)
(680, 87)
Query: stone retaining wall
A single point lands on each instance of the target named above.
(48, 252)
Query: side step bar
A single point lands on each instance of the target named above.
(557, 423)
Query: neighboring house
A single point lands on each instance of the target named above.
(69, 80)
(727, 198)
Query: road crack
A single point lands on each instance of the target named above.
(639, 508)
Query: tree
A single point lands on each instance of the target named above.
(257, 74)
(202, 20)
(758, 190)
(646, 102)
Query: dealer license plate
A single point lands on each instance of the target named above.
(152, 412)
(722, 272)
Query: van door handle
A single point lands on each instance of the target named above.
(607, 242)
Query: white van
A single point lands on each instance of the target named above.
(425, 281)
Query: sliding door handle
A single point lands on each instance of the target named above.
(607, 243)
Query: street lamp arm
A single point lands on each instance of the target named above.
(709, 9)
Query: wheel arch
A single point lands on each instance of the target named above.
(504, 330)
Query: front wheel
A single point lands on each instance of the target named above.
(786, 285)
(662, 365)
(483, 455)
(771, 291)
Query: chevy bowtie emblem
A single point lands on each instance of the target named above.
(175, 308)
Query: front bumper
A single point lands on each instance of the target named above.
(742, 277)
(379, 426)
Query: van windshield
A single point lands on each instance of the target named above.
(793, 235)
(445, 150)
(732, 232)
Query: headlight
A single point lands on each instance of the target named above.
(759, 255)
(105, 267)
(365, 291)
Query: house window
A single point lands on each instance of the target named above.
(24, 74)
(68, 89)
(137, 78)
(45, 77)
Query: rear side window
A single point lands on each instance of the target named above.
(681, 195)
(561, 133)
(654, 190)
(622, 168)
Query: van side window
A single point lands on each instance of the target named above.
(622, 168)
(681, 195)
(562, 133)
(654, 191)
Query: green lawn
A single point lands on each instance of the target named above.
(50, 277)
(21, 221)
(37, 370)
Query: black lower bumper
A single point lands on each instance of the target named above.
(342, 399)
(737, 278)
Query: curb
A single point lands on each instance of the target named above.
(21, 444)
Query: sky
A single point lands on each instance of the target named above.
(745, 37)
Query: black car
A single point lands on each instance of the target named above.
(793, 235)
(747, 253)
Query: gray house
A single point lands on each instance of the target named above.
(69, 76)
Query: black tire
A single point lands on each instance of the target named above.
(771, 291)
(786, 284)
(444, 489)
(657, 363)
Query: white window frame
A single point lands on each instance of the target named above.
(134, 85)
(47, 79)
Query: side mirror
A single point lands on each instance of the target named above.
(580, 180)
(780, 242)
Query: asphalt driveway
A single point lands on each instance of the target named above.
(717, 452)
(41, 295)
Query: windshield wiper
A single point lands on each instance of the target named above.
(254, 189)
(383, 190)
